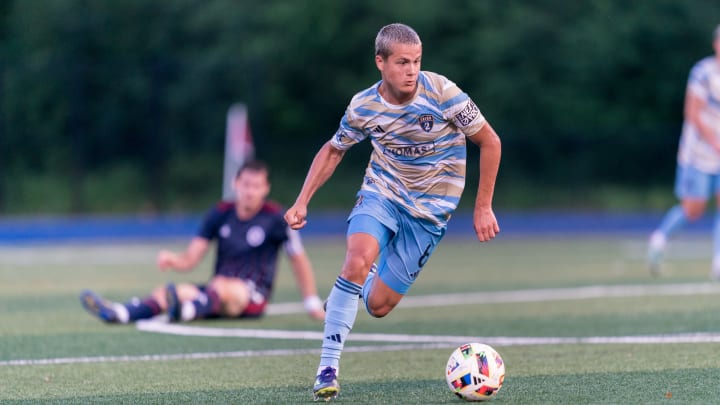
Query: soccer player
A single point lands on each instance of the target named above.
(417, 122)
(698, 160)
(250, 233)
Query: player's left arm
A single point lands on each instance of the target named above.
(304, 275)
(484, 221)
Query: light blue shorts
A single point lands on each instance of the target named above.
(692, 183)
(406, 243)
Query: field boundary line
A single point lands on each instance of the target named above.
(532, 295)
(419, 342)
(203, 331)
(205, 355)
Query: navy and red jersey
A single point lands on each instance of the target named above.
(247, 249)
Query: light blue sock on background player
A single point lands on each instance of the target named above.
(673, 221)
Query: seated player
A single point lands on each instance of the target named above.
(250, 233)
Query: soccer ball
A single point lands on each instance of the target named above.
(475, 372)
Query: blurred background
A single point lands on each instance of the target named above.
(120, 106)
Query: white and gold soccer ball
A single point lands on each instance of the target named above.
(475, 372)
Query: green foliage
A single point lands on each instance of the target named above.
(88, 88)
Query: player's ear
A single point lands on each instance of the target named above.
(379, 62)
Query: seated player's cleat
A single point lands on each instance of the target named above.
(656, 248)
(326, 385)
(173, 303)
(98, 306)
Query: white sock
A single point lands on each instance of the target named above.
(121, 312)
(187, 311)
(658, 240)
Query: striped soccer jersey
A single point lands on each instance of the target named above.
(704, 82)
(419, 152)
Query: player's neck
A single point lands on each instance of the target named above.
(395, 97)
(245, 212)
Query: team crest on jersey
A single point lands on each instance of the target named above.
(255, 236)
(426, 122)
(225, 231)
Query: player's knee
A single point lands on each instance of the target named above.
(693, 210)
(356, 268)
(379, 310)
(235, 297)
(158, 295)
(233, 309)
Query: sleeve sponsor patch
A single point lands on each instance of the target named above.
(467, 115)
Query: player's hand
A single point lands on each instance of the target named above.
(296, 216)
(318, 315)
(314, 307)
(485, 224)
(166, 260)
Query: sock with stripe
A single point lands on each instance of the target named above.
(206, 304)
(137, 309)
(342, 306)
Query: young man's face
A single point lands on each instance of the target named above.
(251, 188)
(400, 70)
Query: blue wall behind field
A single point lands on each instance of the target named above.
(66, 229)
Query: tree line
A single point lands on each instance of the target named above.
(120, 105)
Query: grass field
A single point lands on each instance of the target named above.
(576, 319)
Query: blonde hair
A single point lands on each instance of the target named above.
(394, 34)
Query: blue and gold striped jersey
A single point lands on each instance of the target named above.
(419, 152)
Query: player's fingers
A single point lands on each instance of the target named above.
(298, 225)
(486, 233)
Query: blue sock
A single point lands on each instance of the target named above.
(137, 309)
(673, 220)
(339, 319)
(207, 304)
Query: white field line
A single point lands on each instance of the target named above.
(207, 355)
(415, 342)
(535, 295)
(442, 343)
(187, 330)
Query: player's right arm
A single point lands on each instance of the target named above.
(321, 169)
(183, 261)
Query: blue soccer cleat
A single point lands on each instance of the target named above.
(326, 385)
(173, 303)
(98, 306)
